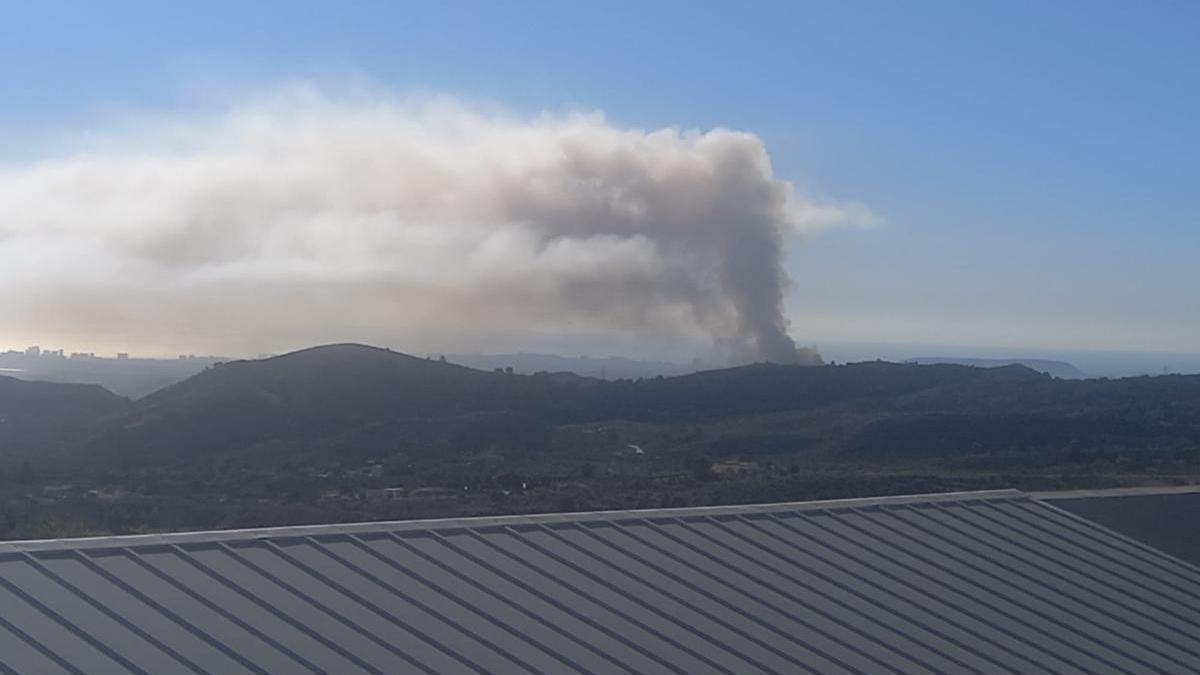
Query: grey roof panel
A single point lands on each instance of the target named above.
(1164, 518)
(19, 653)
(976, 582)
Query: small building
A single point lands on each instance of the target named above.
(390, 494)
(733, 467)
(434, 493)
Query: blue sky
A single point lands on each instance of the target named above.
(1036, 162)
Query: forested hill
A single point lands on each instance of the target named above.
(325, 391)
(304, 436)
(330, 391)
(36, 414)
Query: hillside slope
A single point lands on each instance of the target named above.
(37, 415)
(311, 393)
(328, 392)
(321, 434)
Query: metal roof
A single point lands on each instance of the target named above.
(1163, 519)
(958, 583)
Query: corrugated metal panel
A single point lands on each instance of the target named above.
(966, 583)
(1163, 518)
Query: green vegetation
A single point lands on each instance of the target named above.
(350, 433)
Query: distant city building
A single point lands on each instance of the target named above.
(123, 356)
(33, 351)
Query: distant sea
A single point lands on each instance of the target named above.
(1093, 363)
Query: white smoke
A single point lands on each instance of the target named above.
(305, 218)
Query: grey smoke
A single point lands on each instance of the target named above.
(303, 218)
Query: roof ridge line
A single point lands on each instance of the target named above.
(1104, 493)
(198, 536)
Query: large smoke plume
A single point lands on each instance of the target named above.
(305, 218)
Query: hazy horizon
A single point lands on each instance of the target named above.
(1093, 363)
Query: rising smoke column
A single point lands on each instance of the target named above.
(707, 202)
(302, 218)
